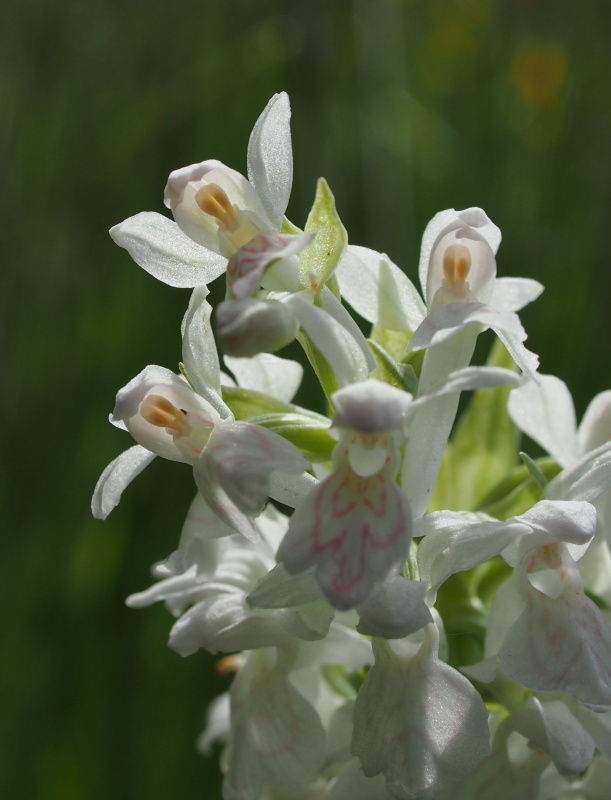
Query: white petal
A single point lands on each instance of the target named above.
(446, 221)
(552, 727)
(378, 290)
(512, 294)
(267, 373)
(545, 412)
(116, 477)
(159, 246)
(371, 406)
(449, 320)
(395, 609)
(418, 721)
(595, 427)
(199, 353)
(585, 479)
(454, 543)
(223, 624)
(564, 520)
(340, 313)
(278, 589)
(218, 724)
(270, 157)
(337, 344)
(469, 379)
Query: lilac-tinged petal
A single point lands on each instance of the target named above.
(270, 157)
(159, 246)
(418, 721)
(116, 477)
(512, 294)
(276, 734)
(395, 609)
(267, 373)
(233, 471)
(246, 267)
(545, 412)
(378, 290)
(355, 531)
(562, 643)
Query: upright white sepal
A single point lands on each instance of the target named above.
(270, 157)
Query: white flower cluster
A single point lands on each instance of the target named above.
(346, 622)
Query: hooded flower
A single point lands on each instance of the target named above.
(216, 209)
(232, 461)
(459, 283)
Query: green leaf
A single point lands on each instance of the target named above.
(518, 491)
(483, 447)
(319, 259)
(394, 342)
(534, 470)
(320, 365)
(289, 228)
(309, 436)
(305, 429)
(391, 371)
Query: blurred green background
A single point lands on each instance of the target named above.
(407, 107)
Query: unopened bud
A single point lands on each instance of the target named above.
(250, 326)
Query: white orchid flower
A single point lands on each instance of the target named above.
(206, 582)
(232, 461)
(545, 412)
(355, 526)
(458, 277)
(463, 296)
(217, 210)
(543, 631)
(417, 720)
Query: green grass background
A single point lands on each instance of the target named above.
(407, 107)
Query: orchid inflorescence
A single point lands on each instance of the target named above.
(432, 619)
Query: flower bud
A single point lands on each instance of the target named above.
(251, 326)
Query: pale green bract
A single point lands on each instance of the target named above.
(409, 607)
